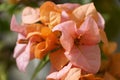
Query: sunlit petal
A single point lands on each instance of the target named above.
(59, 74)
(30, 15)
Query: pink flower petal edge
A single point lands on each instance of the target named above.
(73, 74)
(14, 26)
(59, 74)
(23, 59)
(19, 48)
(101, 21)
(64, 16)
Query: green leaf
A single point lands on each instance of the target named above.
(41, 64)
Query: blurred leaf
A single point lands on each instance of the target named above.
(10, 8)
(1, 45)
(112, 18)
(73, 1)
(81, 1)
(41, 64)
(5, 6)
(106, 16)
(4, 25)
(3, 74)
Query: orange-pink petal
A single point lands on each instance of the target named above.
(67, 29)
(58, 59)
(59, 74)
(89, 32)
(73, 74)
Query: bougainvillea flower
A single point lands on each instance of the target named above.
(68, 72)
(33, 28)
(45, 46)
(81, 44)
(24, 29)
(73, 74)
(86, 57)
(30, 15)
(57, 75)
(58, 59)
(68, 7)
(42, 41)
(41, 38)
(14, 26)
(19, 47)
(45, 12)
(22, 54)
(68, 33)
(86, 10)
(24, 58)
(45, 39)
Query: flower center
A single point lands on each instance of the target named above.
(76, 41)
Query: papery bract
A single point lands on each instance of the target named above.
(68, 6)
(89, 32)
(19, 48)
(46, 9)
(69, 33)
(73, 74)
(24, 58)
(58, 59)
(85, 57)
(67, 37)
(14, 26)
(57, 75)
(21, 52)
(73, 42)
(48, 42)
(82, 12)
(30, 15)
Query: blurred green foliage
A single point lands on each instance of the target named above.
(111, 12)
(3, 72)
(110, 9)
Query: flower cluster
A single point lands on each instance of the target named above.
(68, 33)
